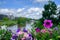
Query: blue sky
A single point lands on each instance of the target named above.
(23, 3)
(24, 8)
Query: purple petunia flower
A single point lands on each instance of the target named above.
(18, 30)
(14, 36)
(37, 30)
(12, 39)
(48, 23)
(28, 39)
(24, 30)
(30, 35)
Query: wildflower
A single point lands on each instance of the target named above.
(26, 35)
(12, 39)
(28, 38)
(50, 31)
(14, 36)
(24, 30)
(48, 23)
(30, 35)
(44, 31)
(18, 30)
(56, 28)
(22, 38)
(37, 30)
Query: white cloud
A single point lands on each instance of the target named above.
(30, 10)
(7, 11)
(4, 11)
(10, 11)
(42, 0)
(58, 6)
(34, 13)
(20, 9)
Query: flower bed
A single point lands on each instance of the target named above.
(35, 34)
(22, 35)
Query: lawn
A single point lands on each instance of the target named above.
(8, 23)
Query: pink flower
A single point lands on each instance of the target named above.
(37, 30)
(48, 23)
(44, 31)
(26, 35)
(23, 39)
(20, 32)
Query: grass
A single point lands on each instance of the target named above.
(8, 23)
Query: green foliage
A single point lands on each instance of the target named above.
(22, 21)
(5, 18)
(38, 24)
(8, 23)
(5, 35)
(20, 36)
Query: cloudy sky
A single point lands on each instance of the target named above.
(24, 8)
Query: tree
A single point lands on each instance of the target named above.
(59, 16)
(5, 18)
(49, 12)
(21, 21)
